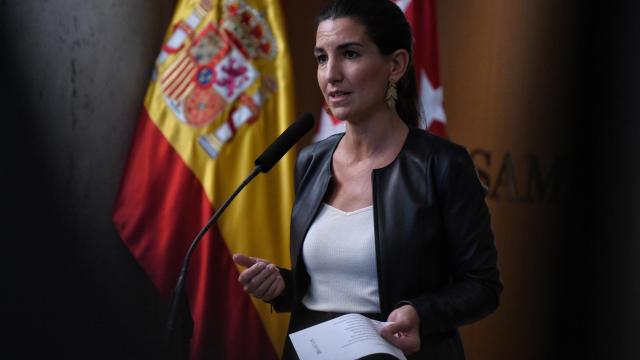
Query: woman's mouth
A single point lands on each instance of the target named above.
(338, 95)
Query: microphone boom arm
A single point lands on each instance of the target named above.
(178, 292)
(263, 163)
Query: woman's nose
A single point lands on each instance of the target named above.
(333, 71)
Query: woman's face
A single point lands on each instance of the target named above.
(352, 74)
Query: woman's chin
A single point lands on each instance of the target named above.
(342, 113)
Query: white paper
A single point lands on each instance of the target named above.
(347, 337)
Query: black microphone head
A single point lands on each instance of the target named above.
(284, 142)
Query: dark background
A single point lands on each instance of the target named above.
(598, 315)
(73, 74)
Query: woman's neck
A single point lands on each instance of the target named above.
(374, 137)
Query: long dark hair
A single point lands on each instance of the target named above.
(388, 28)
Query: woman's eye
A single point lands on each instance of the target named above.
(321, 59)
(350, 54)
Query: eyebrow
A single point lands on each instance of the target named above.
(340, 47)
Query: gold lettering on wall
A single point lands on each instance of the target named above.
(527, 179)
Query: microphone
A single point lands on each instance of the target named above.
(263, 163)
(284, 142)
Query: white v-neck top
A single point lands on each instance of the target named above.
(340, 256)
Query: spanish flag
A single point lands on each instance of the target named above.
(220, 93)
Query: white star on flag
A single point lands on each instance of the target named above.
(431, 102)
(403, 4)
(327, 126)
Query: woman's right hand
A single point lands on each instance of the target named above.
(261, 278)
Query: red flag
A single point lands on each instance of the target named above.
(421, 15)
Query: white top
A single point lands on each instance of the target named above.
(340, 255)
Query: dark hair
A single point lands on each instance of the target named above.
(388, 28)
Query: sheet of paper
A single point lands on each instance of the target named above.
(347, 337)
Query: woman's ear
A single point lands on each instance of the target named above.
(399, 63)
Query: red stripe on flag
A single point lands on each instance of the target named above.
(181, 82)
(422, 17)
(180, 73)
(150, 216)
(176, 67)
(437, 127)
(187, 85)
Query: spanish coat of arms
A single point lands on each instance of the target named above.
(211, 70)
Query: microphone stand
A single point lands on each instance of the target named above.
(263, 163)
(179, 296)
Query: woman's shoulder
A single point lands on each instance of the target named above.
(446, 160)
(426, 145)
(320, 148)
(316, 155)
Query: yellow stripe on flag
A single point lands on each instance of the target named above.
(239, 100)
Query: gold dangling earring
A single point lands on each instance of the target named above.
(392, 94)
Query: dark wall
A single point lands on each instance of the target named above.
(73, 78)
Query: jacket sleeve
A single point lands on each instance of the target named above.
(475, 285)
(284, 301)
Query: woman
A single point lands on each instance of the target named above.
(389, 221)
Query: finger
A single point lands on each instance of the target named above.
(260, 277)
(244, 260)
(389, 330)
(275, 289)
(247, 275)
(393, 316)
(408, 344)
(265, 285)
(390, 338)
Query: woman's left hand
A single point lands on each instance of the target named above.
(404, 330)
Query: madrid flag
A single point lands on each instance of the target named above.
(422, 18)
(219, 95)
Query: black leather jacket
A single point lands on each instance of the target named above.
(434, 244)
